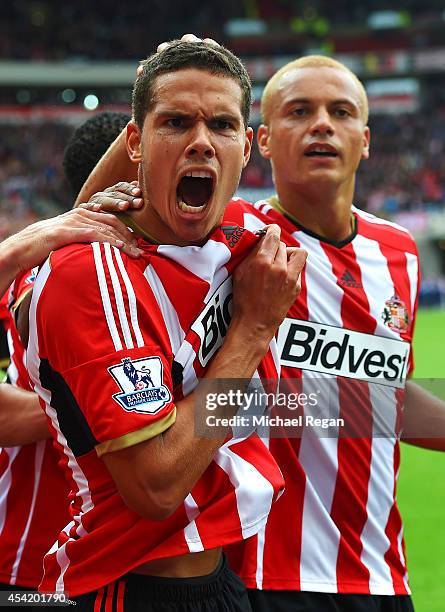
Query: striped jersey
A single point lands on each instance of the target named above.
(114, 343)
(346, 340)
(4, 351)
(33, 490)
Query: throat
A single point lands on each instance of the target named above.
(334, 226)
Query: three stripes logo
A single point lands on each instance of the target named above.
(232, 234)
(347, 280)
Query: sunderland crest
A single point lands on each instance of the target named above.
(141, 384)
(395, 314)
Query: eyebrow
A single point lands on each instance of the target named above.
(172, 112)
(337, 102)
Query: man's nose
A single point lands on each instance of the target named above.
(322, 123)
(200, 144)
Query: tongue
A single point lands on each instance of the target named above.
(194, 191)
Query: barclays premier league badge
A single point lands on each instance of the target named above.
(141, 384)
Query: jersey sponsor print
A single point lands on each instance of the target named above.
(134, 337)
(347, 338)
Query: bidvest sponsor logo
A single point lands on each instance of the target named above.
(211, 325)
(343, 352)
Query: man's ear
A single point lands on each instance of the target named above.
(366, 143)
(133, 142)
(263, 140)
(248, 145)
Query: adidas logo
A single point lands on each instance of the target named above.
(232, 233)
(347, 280)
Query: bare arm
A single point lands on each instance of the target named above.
(165, 468)
(423, 418)
(22, 420)
(32, 245)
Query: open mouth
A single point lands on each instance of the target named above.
(321, 152)
(194, 191)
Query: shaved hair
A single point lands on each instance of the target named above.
(309, 61)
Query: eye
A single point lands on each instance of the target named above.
(221, 124)
(342, 112)
(299, 111)
(176, 122)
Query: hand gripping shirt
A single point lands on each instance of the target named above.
(114, 342)
(33, 489)
(347, 340)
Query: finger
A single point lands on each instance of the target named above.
(114, 202)
(269, 244)
(281, 256)
(93, 206)
(118, 227)
(211, 41)
(124, 187)
(190, 38)
(296, 261)
(107, 222)
(131, 250)
(162, 47)
(106, 234)
(105, 203)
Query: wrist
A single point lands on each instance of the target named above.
(9, 268)
(256, 337)
(248, 345)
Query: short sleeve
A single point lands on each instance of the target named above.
(104, 351)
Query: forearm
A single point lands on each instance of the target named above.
(423, 418)
(114, 166)
(8, 265)
(22, 420)
(167, 467)
(190, 453)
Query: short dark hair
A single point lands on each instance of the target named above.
(88, 143)
(180, 55)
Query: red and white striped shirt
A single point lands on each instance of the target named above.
(113, 343)
(33, 490)
(337, 527)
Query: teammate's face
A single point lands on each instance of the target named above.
(316, 133)
(191, 152)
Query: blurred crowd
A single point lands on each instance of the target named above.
(32, 183)
(53, 30)
(406, 170)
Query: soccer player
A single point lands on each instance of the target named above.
(30, 246)
(348, 334)
(335, 538)
(33, 491)
(115, 348)
(88, 143)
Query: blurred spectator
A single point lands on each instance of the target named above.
(53, 30)
(406, 170)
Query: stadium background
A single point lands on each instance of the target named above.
(61, 63)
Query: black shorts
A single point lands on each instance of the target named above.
(220, 591)
(304, 601)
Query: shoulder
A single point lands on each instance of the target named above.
(83, 263)
(385, 232)
(245, 214)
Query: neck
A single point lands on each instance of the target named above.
(325, 212)
(131, 222)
